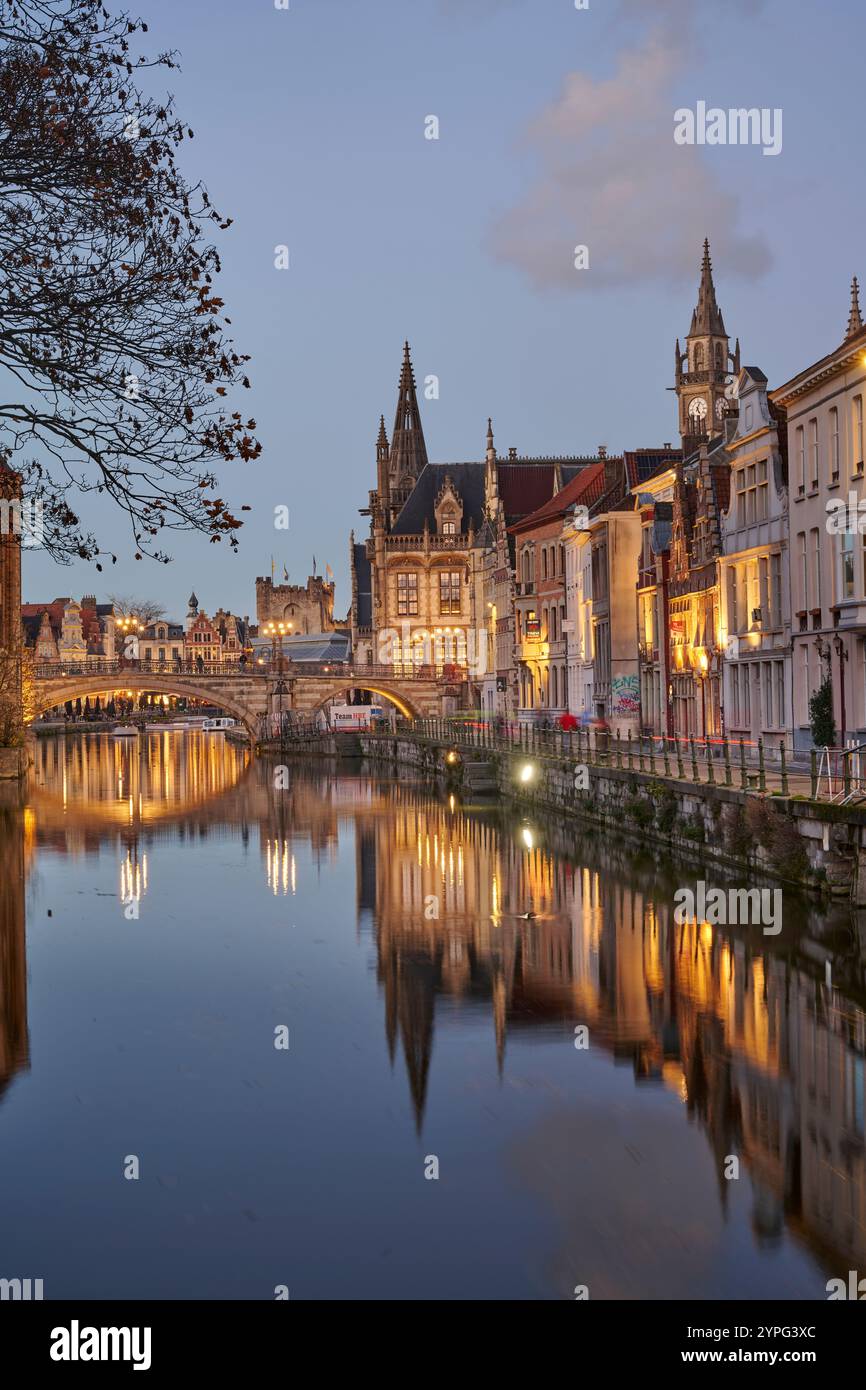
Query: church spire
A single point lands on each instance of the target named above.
(408, 450)
(855, 318)
(383, 481)
(707, 317)
(382, 442)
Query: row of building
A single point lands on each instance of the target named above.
(703, 589)
(297, 619)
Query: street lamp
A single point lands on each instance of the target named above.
(277, 631)
(843, 657)
(281, 689)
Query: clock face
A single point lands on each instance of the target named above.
(698, 408)
(720, 408)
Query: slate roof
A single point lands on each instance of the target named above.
(641, 464)
(468, 480)
(364, 579)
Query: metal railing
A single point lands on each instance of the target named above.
(353, 675)
(761, 766)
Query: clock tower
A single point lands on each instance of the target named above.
(704, 369)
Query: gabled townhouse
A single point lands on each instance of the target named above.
(824, 405)
(540, 610)
(754, 584)
(651, 475)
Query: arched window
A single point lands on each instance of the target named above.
(699, 357)
(720, 361)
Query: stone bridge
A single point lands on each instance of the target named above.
(244, 695)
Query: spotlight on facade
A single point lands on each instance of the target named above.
(527, 772)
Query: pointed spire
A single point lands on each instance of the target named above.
(707, 317)
(408, 450)
(855, 318)
(382, 441)
(491, 447)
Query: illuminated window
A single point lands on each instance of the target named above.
(407, 595)
(449, 592)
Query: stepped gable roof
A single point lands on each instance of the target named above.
(586, 487)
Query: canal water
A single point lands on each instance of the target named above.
(307, 1009)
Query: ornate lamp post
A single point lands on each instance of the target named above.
(280, 690)
(843, 657)
(277, 631)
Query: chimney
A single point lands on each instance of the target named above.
(667, 444)
(602, 451)
(512, 452)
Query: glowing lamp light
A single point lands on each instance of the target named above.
(527, 772)
(527, 837)
(451, 757)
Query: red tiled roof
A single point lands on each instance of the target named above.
(586, 487)
(524, 486)
(90, 624)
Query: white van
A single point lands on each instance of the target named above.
(212, 726)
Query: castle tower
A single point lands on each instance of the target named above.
(703, 369)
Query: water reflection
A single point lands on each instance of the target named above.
(758, 1046)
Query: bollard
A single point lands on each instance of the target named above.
(727, 762)
(666, 756)
(695, 777)
(745, 780)
(762, 776)
(680, 769)
(711, 771)
(784, 768)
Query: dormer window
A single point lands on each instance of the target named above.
(449, 528)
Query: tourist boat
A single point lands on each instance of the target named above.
(215, 726)
(125, 731)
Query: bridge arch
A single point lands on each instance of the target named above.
(57, 690)
(386, 692)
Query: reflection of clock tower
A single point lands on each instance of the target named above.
(704, 368)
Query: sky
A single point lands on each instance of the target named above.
(555, 129)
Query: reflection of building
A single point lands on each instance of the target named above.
(765, 1058)
(13, 960)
